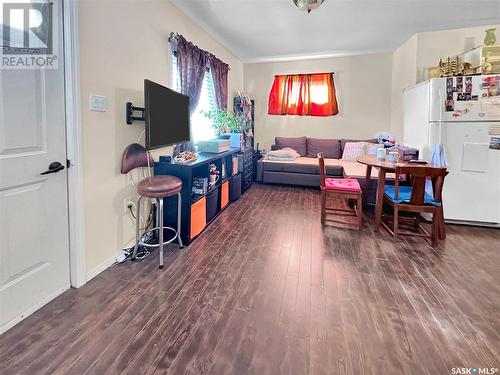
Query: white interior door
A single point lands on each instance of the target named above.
(34, 245)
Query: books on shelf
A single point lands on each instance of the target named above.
(235, 165)
(200, 185)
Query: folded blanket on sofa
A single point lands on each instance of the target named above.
(280, 158)
(285, 154)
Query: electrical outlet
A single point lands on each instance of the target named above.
(127, 204)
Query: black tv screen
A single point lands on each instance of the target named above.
(166, 115)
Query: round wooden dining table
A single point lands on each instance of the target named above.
(385, 167)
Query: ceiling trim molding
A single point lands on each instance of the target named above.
(315, 56)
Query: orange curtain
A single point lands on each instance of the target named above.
(303, 95)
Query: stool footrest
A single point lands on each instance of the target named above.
(141, 239)
(145, 244)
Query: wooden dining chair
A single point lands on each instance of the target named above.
(414, 199)
(339, 190)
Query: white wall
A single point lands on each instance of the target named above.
(404, 74)
(436, 44)
(121, 44)
(363, 85)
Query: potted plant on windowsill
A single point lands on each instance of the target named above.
(227, 125)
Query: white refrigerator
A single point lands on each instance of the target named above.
(463, 115)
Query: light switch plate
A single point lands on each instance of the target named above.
(98, 103)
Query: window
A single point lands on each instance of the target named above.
(201, 127)
(303, 95)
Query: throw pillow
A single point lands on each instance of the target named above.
(298, 144)
(286, 152)
(345, 140)
(354, 149)
(329, 147)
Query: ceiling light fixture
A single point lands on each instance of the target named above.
(307, 5)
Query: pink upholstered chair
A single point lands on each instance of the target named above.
(342, 191)
(153, 187)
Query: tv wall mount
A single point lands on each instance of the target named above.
(129, 113)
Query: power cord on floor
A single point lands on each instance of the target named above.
(142, 251)
(147, 237)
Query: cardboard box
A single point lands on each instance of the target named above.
(484, 59)
(214, 146)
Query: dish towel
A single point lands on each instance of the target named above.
(439, 156)
(438, 159)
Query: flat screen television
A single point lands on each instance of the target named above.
(166, 115)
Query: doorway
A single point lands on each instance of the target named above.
(34, 211)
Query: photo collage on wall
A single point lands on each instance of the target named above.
(458, 89)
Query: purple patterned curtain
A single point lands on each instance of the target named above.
(219, 71)
(192, 63)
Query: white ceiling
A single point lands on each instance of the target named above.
(268, 30)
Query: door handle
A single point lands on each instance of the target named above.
(53, 168)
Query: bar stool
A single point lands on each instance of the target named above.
(152, 187)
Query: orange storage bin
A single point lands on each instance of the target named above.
(198, 217)
(224, 196)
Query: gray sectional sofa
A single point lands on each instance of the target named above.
(304, 171)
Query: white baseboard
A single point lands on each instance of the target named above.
(102, 267)
(32, 309)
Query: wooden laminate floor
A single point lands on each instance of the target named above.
(266, 290)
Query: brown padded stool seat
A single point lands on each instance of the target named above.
(159, 186)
